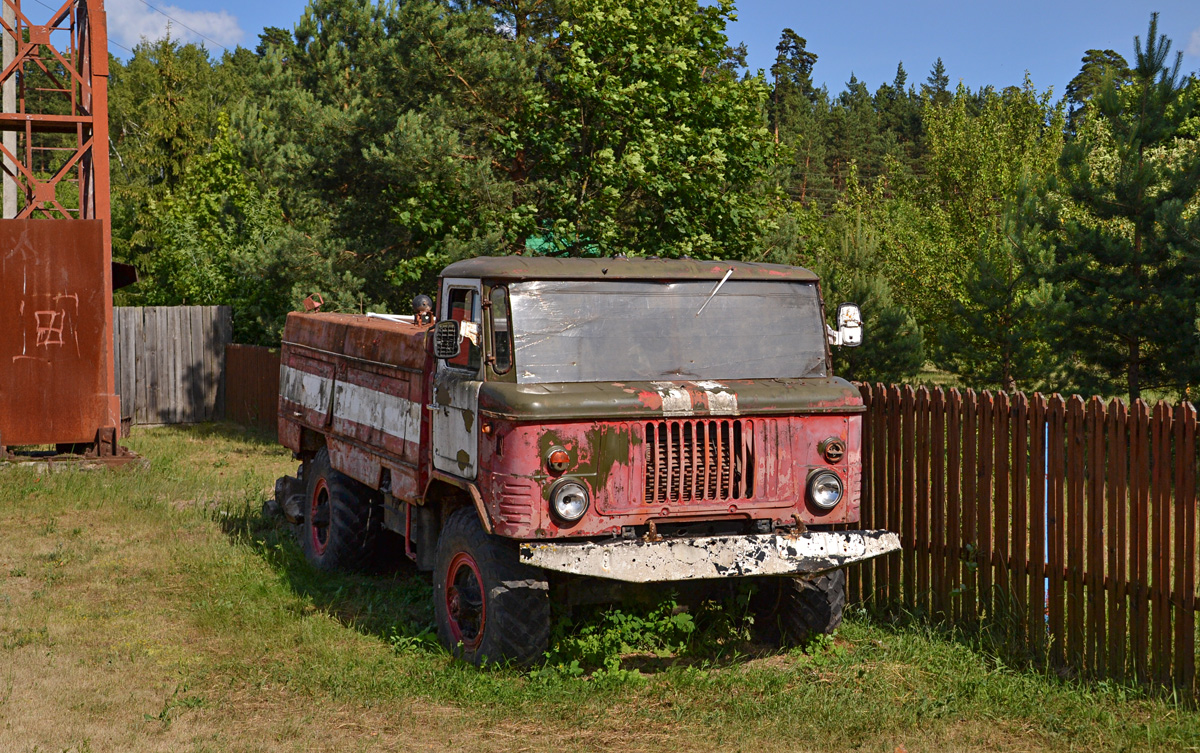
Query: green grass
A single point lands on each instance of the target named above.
(155, 609)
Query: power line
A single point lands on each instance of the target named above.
(110, 40)
(181, 23)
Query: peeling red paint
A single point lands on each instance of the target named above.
(651, 400)
(383, 357)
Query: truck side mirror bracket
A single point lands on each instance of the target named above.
(447, 342)
(850, 327)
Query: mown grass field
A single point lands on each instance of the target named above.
(156, 610)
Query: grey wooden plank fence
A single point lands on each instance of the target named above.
(170, 362)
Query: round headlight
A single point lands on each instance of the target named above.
(825, 490)
(569, 501)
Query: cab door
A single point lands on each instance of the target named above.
(455, 420)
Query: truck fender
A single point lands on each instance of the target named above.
(466, 486)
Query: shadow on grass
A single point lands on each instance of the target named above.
(392, 602)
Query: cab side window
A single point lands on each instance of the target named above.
(501, 344)
(462, 310)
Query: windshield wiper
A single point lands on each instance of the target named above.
(714, 290)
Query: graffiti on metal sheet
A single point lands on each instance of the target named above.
(48, 325)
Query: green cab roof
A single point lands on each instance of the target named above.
(558, 268)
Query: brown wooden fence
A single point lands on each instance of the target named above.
(1070, 525)
(252, 385)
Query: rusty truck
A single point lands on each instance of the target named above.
(567, 423)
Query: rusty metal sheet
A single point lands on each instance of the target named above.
(369, 340)
(361, 381)
(56, 360)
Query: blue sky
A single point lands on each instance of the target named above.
(979, 42)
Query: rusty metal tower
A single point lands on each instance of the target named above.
(56, 271)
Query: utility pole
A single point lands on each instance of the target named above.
(8, 95)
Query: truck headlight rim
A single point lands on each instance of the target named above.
(825, 489)
(833, 449)
(557, 459)
(569, 500)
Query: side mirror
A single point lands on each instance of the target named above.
(850, 326)
(446, 339)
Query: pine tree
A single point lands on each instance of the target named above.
(936, 88)
(805, 131)
(1002, 333)
(273, 36)
(1129, 258)
(893, 346)
(797, 118)
(858, 137)
(1098, 66)
(900, 114)
(792, 72)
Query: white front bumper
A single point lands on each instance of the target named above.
(639, 561)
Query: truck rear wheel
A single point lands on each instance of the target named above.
(489, 607)
(810, 607)
(341, 527)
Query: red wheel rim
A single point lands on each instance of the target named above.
(466, 604)
(319, 517)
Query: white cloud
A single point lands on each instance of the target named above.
(1193, 47)
(130, 21)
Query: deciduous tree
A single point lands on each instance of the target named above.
(641, 142)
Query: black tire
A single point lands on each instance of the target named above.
(489, 607)
(341, 524)
(810, 607)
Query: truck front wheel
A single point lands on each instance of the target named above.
(811, 606)
(341, 528)
(489, 606)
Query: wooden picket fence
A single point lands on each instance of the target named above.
(1066, 526)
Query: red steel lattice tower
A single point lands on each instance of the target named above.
(56, 271)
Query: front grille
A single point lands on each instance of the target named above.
(698, 461)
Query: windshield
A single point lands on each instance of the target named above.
(599, 331)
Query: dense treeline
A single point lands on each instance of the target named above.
(1011, 239)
